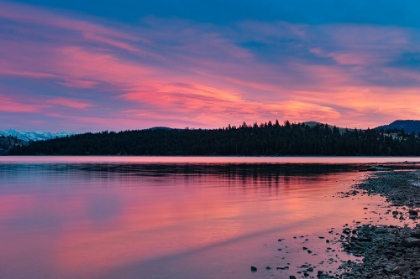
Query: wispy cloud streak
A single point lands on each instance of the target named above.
(8, 104)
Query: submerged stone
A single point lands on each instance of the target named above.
(411, 242)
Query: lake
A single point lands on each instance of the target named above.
(178, 217)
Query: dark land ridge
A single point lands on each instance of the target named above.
(265, 139)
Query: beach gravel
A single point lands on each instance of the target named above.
(387, 251)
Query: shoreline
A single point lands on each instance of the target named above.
(387, 246)
(359, 162)
(388, 251)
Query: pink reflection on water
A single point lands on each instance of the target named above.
(112, 225)
(208, 160)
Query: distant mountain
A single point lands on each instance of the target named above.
(409, 126)
(159, 128)
(33, 136)
(315, 123)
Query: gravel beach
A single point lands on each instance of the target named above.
(387, 251)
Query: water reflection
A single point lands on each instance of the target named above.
(120, 220)
(271, 173)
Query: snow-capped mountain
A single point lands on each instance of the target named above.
(33, 136)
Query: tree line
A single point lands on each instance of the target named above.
(8, 143)
(265, 139)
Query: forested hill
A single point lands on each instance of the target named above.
(409, 126)
(264, 139)
(7, 143)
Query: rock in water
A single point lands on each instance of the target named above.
(411, 242)
(253, 268)
(413, 212)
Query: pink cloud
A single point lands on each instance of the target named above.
(78, 83)
(72, 103)
(8, 104)
(186, 100)
(9, 72)
(99, 66)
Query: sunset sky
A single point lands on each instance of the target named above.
(116, 65)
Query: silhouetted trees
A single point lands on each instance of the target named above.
(249, 140)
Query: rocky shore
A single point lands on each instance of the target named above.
(387, 251)
(399, 188)
(384, 244)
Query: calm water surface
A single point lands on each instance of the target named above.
(174, 217)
